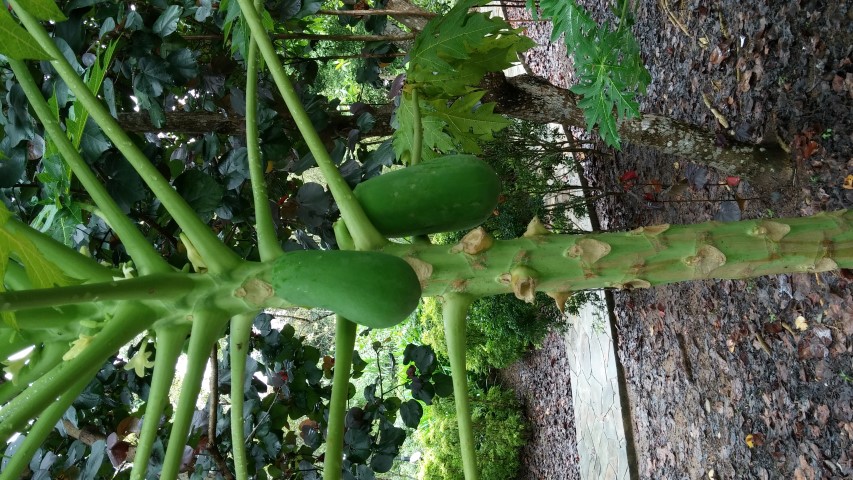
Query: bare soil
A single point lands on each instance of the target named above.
(722, 382)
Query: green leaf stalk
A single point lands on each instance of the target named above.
(241, 329)
(454, 310)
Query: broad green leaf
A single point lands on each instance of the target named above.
(92, 141)
(152, 77)
(12, 168)
(134, 21)
(235, 168)
(411, 412)
(123, 183)
(167, 22)
(182, 65)
(107, 26)
(200, 191)
(44, 10)
(204, 10)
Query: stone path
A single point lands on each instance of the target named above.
(602, 445)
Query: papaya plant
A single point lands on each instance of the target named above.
(67, 314)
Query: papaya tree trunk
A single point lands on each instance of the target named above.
(641, 258)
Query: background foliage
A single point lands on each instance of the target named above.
(499, 433)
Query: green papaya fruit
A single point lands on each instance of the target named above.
(369, 288)
(445, 194)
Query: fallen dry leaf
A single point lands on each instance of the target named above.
(754, 440)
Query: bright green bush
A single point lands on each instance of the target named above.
(499, 433)
(500, 329)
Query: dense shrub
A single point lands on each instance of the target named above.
(500, 329)
(499, 433)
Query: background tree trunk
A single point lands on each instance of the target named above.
(531, 98)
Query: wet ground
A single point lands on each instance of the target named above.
(729, 379)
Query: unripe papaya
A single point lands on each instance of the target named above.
(445, 194)
(369, 288)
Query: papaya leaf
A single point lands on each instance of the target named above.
(455, 51)
(468, 121)
(94, 79)
(607, 60)
(405, 126)
(41, 272)
(567, 18)
(436, 138)
(18, 43)
(45, 10)
(610, 73)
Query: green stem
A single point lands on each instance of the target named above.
(57, 319)
(241, 329)
(364, 233)
(418, 134)
(206, 329)
(267, 239)
(345, 333)
(74, 264)
(170, 341)
(130, 319)
(36, 434)
(146, 259)
(217, 256)
(455, 310)
(151, 287)
(342, 236)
